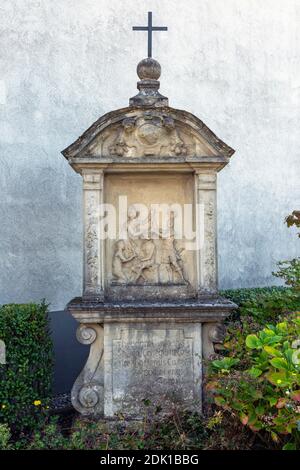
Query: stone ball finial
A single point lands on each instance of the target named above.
(148, 69)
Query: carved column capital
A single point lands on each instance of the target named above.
(206, 180)
(92, 179)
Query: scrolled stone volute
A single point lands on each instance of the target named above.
(86, 334)
(87, 394)
(217, 333)
(90, 395)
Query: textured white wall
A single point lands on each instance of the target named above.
(233, 63)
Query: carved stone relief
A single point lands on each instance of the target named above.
(152, 133)
(92, 240)
(145, 257)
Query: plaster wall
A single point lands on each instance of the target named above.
(234, 63)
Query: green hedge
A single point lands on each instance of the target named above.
(240, 296)
(25, 379)
(264, 303)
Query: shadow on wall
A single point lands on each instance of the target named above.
(69, 355)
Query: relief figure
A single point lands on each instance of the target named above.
(142, 260)
(145, 261)
(123, 254)
(170, 261)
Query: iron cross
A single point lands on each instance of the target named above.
(150, 28)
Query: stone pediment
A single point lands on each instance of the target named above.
(135, 133)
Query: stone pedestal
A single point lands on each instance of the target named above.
(150, 310)
(144, 352)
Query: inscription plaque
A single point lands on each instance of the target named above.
(160, 363)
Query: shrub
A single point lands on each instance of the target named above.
(179, 430)
(49, 437)
(264, 304)
(259, 379)
(25, 379)
(290, 272)
(5, 436)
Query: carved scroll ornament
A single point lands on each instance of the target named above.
(150, 134)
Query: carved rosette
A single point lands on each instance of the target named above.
(88, 391)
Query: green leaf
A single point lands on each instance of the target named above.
(278, 378)
(282, 327)
(268, 332)
(226, 363)
(255, 372)
(272, 351)
(253, 342)
(220, 401)
(272, 401)
(279, 363)
(289, 446)
(273, 339)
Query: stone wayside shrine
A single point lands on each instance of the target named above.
(150, 309)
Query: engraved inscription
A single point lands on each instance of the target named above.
(147, 364)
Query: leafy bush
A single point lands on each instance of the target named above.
(5, 436)
(25, 379)
(259, 379)
(179, 430)
(240, 296)
(264, 304)
(290, 272)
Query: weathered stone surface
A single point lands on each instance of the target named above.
(88, 390)
(149, 267)
(149, 71)
(164, 342)
(156, 362)
(137, 132)
(206, 309)
(150, 308)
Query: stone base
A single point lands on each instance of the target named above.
(153, 363)
(144, 354)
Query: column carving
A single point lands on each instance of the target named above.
(93, 279)
(206, 226)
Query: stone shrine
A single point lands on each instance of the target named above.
(150, 309)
